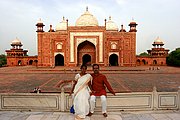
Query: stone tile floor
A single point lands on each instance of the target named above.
(130, 115)
(123, 79)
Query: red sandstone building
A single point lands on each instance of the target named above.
(85, 43)
(157, 55)
(16, 56)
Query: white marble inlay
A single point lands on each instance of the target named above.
(117, 53)
(95, 34)
(56, 53)
(132, 101)
(92, 40)
(167, 100)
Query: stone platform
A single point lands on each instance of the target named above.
(133, 115)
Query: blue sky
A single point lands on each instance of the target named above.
(154, 18)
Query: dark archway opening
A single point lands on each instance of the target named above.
(86, 53)
(19, 62)
(138, 62)
(59, 60)
(113, 60)
(154, 62)
(86, 59)
(30, 62)
(144, 62)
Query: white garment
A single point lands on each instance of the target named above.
(81, 103)
(103, 103)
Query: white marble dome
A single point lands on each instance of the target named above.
(16, 42)
(87, 19)
(62, 25)
(110, 25)
(158, 41)
(39, 21)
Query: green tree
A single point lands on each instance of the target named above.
(144, 54)
(3, 60)
(174, 58)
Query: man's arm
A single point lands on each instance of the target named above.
(108, 85)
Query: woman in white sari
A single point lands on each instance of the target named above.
(81, 93)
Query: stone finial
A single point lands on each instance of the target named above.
(105, 22)
(179, 88)
(154, 89)
(109, 17)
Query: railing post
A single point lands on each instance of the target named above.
(62, 101)
(155, 98)
(178, 97)
(0, 103)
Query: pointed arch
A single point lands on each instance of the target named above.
(86, 53)
(154, 62)
(59, 60)
(113, 60)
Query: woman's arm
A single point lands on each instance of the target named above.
(73, 85)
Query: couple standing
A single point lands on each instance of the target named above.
(86, 87)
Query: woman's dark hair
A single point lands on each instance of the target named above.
(83, 65)
(95, 65)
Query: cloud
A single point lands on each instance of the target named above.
(121, 2)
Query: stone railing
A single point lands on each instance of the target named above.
(62, 101)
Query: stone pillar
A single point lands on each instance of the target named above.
(178, 98)
(62, 100)
(0, 103)
(155, 98)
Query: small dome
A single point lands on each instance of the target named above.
(39, 21)
(158, 41)
(62, 25)
(87, 19)
(110, 25)
(133, 21)
(16, 42)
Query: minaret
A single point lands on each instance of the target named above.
(133, 26)
(40, 26)
(40, 31)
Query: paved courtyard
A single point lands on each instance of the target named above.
(123, 79)
(136, 115)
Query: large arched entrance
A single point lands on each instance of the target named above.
(59, 60)
(113, 60)
(86, 53)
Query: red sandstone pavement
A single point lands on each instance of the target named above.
(123, 79)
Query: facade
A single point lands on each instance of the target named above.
(16, 56)
(157, 55)
(86, 43)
